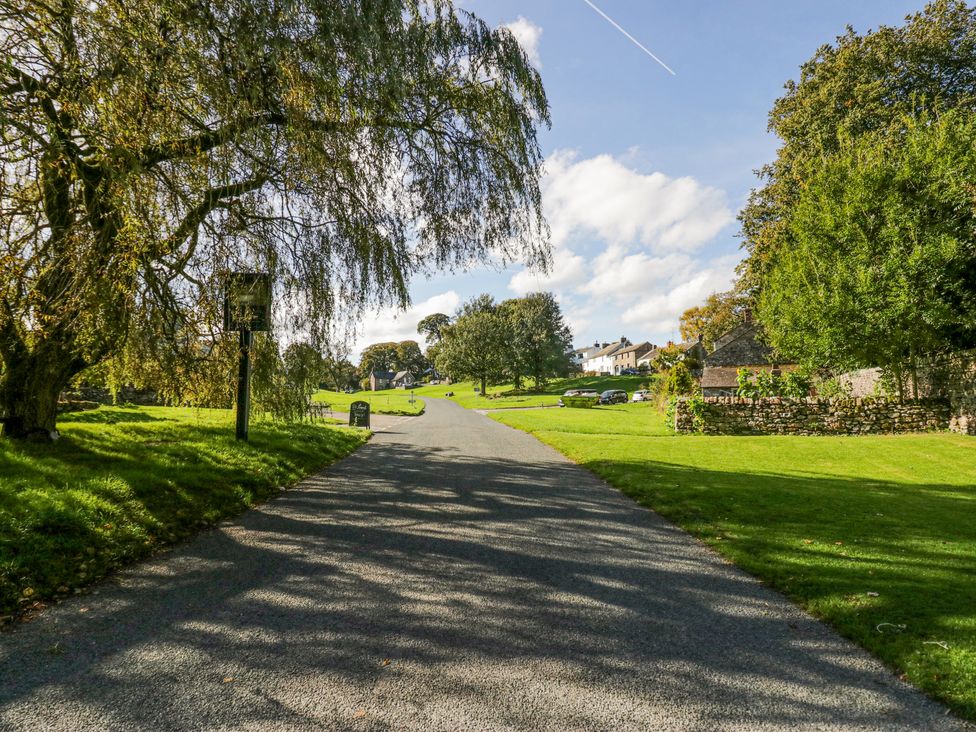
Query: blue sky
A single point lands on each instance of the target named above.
(646, 171)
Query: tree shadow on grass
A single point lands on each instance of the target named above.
(520, 592)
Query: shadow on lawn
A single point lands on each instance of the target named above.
(117, 415)
(462, 565)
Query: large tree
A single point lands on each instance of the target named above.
(431, 327)
(861, 84)
(882, 268)
(148, 148)
(541, 341)
(475, 347)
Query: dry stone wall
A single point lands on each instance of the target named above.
(780, 416)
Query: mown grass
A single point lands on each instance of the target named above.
(500, 396)
(387, 401)
(875, 534)
(123, 482)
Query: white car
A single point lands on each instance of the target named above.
(641, 396)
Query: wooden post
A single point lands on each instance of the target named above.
(244, 385)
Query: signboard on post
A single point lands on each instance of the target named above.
(247, 308)
(359, 414)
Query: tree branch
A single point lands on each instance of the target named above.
(211, 200)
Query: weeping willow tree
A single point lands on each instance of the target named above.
(150, 147)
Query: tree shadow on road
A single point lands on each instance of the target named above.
(526, 593)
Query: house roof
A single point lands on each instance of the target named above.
(720, 377)
(725, 377)
(628, 349)
(740, 347)
(382, 374)
(608, 351)
(401, 375)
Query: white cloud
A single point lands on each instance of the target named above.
(659, 312)
(392, 324)
(600, 196)
(527, 34)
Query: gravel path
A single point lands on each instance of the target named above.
(454, 574)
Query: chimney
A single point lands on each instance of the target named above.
(596, 344)
(604, 345)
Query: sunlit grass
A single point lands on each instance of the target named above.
(875, 534)
(123, 482)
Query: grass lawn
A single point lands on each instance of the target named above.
(500, 398)
(388, 401)
(123, 482)
(875, 534)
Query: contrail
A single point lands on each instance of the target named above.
(637, 43)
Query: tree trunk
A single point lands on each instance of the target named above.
(484, 385)
(29, 391)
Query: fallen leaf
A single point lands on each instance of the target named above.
(359, 714)
(228, 679)
(386, 662)
(808, 541)
(838, 543)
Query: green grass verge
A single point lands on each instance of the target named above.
(875, 534)
(388, 401)
(499, 396)
(122, 483)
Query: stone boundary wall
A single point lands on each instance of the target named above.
(780, 416)
(126, 395)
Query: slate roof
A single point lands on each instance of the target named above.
(402, 374)
(740, 347)
(636, 347)
(609, 350)
(387, 375)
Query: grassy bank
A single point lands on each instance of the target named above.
(876, 535)
(388, 401)
(501, 396)
(123, 482)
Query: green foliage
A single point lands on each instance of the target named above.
(580, 402)
(880, 269)
(666, 357)
(124, 482)
(149, 148)
(476, 346)
(390, 356)
(282, 386)
(680, 382)
(720, 313)
(832, 388)
(861, 85)
(540, 339)
(432, 326)
(765, 383)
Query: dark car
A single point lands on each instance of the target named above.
(630, 372)
(613, 396)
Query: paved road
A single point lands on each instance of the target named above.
(452, 575)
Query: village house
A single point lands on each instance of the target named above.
(693, 351)
(601, 362)
(379, 380)
(626, 358)
(579, 357)
(740, 348)
(402, 380)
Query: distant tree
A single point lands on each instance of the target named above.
(720, 313)
(410, 358)
(475, 347)
(860, 85)
(149, 147)
(882, 267)
(483, 303)
(666, 357)
(540, 339)
(431, 327)
(378, 357)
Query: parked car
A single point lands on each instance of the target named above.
(642, 395)
(580, 393)
(613, 396)
(630, 372)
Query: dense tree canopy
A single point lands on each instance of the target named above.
(392, 356)
(719, 314)
(540, 339)
(476, 346)
(149, 148)
(432, 327)
(882, 266)
(862, 84)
